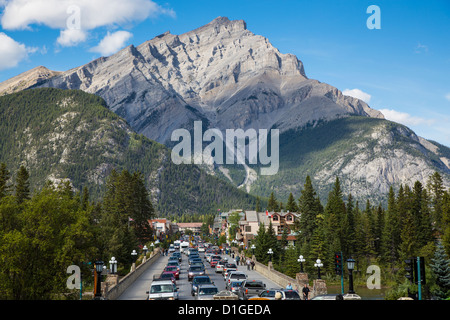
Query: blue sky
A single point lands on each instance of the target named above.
(402, 69)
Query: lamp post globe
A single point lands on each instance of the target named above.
(318, 265)
(301, 260)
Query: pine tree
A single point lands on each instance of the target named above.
(258, 205)
(22, 185)
(391, 231)
(291, 206)
(272, 205)
(441, 269)
(4, 177)
(309, 207)
(436, 189)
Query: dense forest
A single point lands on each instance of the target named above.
(45, 231)
(415, 223)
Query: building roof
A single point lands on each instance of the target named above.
(189, 224)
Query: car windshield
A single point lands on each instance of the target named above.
(171, 268)
(196, 268)
(291, 295)
(231, 265)
(237, 275)
(161, 288)
(268, 293)
(236, 284)
(202, 280)
(255, 284)
(207, 291)
(166, 275)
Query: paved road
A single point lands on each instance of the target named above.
(137, 290)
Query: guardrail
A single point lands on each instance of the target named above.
(115, 291)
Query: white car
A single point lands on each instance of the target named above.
(162, 290)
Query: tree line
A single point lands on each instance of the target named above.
(415, 223)
(45, 231)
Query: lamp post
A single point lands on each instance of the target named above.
(318, 265)
(134, 257)
(253, 247)
(350, 267)
(301, 260)
(98, 279)
(270, 253)
(113, 265)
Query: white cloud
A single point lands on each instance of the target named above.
(11, 52)
(112, 43)
(81, 15)
(356, 93)
(405, 118)
(71, 37)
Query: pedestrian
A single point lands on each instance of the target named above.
(289, 286)
(248, 264)
(305, 292)
(253, 264)
(237, 260)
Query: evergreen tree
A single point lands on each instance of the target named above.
(291, 206)
(441, 270)
(272, 205)
(446, 221)
(391, 232)
(4, 178)
(258, 204)
(22, 185)
(436, 189)
(309, 208)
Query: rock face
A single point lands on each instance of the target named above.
(26, 79)
(220, 73)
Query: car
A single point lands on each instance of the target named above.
(250, 288)
(206, 292)
(197, 280)
(229, 267)
(178, 255)
(235, 285)
(214, 262)
(174, 270)
(162, 290)
(201, 249)
(195, 271)
(174, 264)
(270, 295)
(219, 266)
(168, 276)
(235, 275)
(327, 297)
(172, 258)
(214, 256)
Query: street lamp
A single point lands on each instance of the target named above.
(134, 257)
(113, 265)
(350, 267)
(98, 279)
(301, 260)
(270, 253)
(145, 249)
(253, 247)
(318, 265)
(152, 245)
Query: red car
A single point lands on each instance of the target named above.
(214, 262)
(173, 270)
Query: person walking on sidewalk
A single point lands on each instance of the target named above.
(305, 292)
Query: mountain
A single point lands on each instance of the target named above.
(221, 74)
(230, 78)
(69, 134)
(368, 155)
(26, 79)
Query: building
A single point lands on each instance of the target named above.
(195, 227)
(251, 221)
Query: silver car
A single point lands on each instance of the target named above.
(206, 292)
